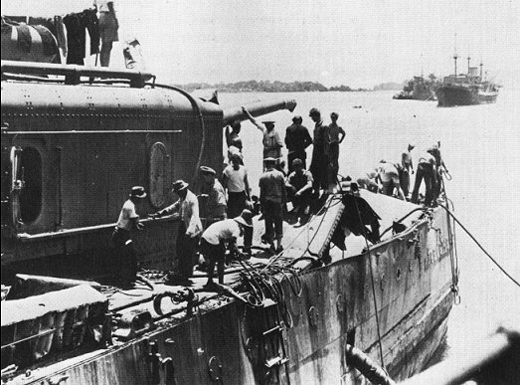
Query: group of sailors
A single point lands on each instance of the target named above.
(220, 208)
(394, 179)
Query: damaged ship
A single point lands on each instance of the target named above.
(363, 289)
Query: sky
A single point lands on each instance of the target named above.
(355, 43)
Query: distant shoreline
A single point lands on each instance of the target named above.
(268, 86)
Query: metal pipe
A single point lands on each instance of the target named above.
(73, 71)
(50, 235)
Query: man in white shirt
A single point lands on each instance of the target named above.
(220, 236)
(187, 209)
(127, 221)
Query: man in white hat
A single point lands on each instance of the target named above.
(127, 221)
(221, 236)
(190, 227)
(271, 139)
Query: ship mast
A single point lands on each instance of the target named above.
(455, 56)
(469, 60)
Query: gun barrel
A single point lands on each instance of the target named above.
(235, 114)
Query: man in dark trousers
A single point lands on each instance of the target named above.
(221, 236)
(297, 139)
(427, 170)
(299, 188)
(187, 209)
(127, 221)
(273, 198)
(335, 136)
(319, 162)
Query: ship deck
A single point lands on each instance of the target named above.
(301, 238)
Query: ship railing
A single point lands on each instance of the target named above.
(71, 74)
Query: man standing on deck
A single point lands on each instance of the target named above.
(235, 180)
(334, 137)
(127, 221)
(273, 199)
(427, 170)
(222, 235)
(271, 139)
(319, 162)
(297, 139)
(215, 195)
(441, 168)
(406, 170)
(187, 209)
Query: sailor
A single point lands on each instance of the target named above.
(233, 141)
(273, 198)
(187, 209)
(406, 169)
(319, 162)
(297, 139)
(221, 236)
(389, 175)
(369, 182)
(127, 221)
(299, 188)
(334, 137)
(271, 139)
(214, 194)
(236, 182)
(427, 170)
(441, 169)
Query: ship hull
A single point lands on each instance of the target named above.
(235, 343)
(449, 96)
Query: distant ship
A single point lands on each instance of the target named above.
(466, 89)
(418, 88)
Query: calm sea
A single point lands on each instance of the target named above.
(481, 148)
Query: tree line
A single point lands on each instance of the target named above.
(270, 86)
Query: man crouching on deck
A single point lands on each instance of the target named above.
(219, 235)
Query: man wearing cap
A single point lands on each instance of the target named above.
(273, 198)
(127, 221)
(221, 236)
(190, 226)
(333, 138)
(406, 169)
(299, 187)
(427, 170)
(213, 192)
(319, 163)
(271, 139)
(297, 139)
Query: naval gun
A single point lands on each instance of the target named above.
(75, 139)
